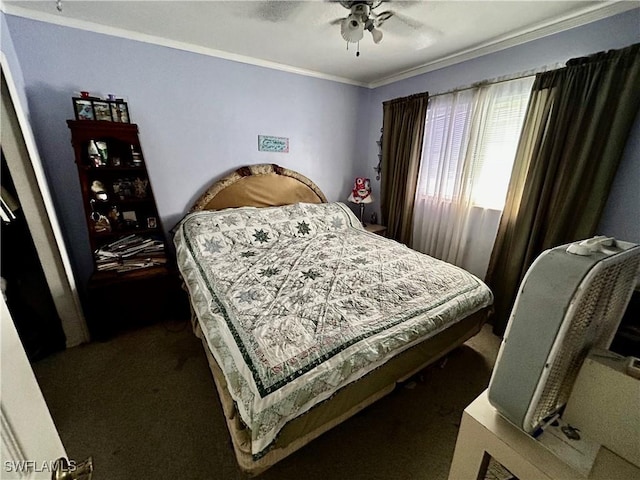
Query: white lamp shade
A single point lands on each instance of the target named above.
(352, 29)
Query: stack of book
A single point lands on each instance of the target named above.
(130, 253)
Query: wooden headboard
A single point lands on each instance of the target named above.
(263, 185)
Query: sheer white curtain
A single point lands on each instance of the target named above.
(469, 146)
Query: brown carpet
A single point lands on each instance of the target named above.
(144, 406)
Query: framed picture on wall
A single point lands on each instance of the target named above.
(267, 143)
(83, 109)
(101, 110)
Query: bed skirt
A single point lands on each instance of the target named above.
(345, 403)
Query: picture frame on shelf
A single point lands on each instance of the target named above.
(102, 110)
(115, 114)
(119, 111)
(130, 219)
(123, 188)
(152, 222)
(83, 109)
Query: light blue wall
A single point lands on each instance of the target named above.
(622, 214)
(13, 64)
(199, 117)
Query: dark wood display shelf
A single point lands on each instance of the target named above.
(109, 236)
(121, 301)
(99, 279)
(125, 169)
(121, 205)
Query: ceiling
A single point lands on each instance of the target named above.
(298, 35)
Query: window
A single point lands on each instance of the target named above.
(495, 153)
(446, 133)
(470, 142)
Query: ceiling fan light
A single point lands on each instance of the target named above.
(376, 34)
(352, 29)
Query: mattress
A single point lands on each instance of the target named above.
(297, 302)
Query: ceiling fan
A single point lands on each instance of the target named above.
(362, 17)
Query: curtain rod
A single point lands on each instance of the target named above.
(506, 78)
(485, 82)
(407, 98)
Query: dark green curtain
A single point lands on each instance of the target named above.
(577, 123)
(402, 136)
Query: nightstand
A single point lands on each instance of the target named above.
(375, 228)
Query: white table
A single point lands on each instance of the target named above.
(484, 433)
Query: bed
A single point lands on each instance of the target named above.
(305, 317)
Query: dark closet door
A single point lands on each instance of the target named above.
(25, 287)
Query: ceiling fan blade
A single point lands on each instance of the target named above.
(419, 34)
(337, 21)
(382, 17)
(410, 22)
(276, 11)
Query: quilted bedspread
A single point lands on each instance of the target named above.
(298, 301)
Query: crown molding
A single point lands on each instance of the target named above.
(12, 9)
(576, 19)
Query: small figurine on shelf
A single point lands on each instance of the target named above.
(100, 222)
(140, 187)
(99, 192)
(374, 218)
(114, 216)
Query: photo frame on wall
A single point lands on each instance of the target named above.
(83, 109)
(101, 110)
(268, 143)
